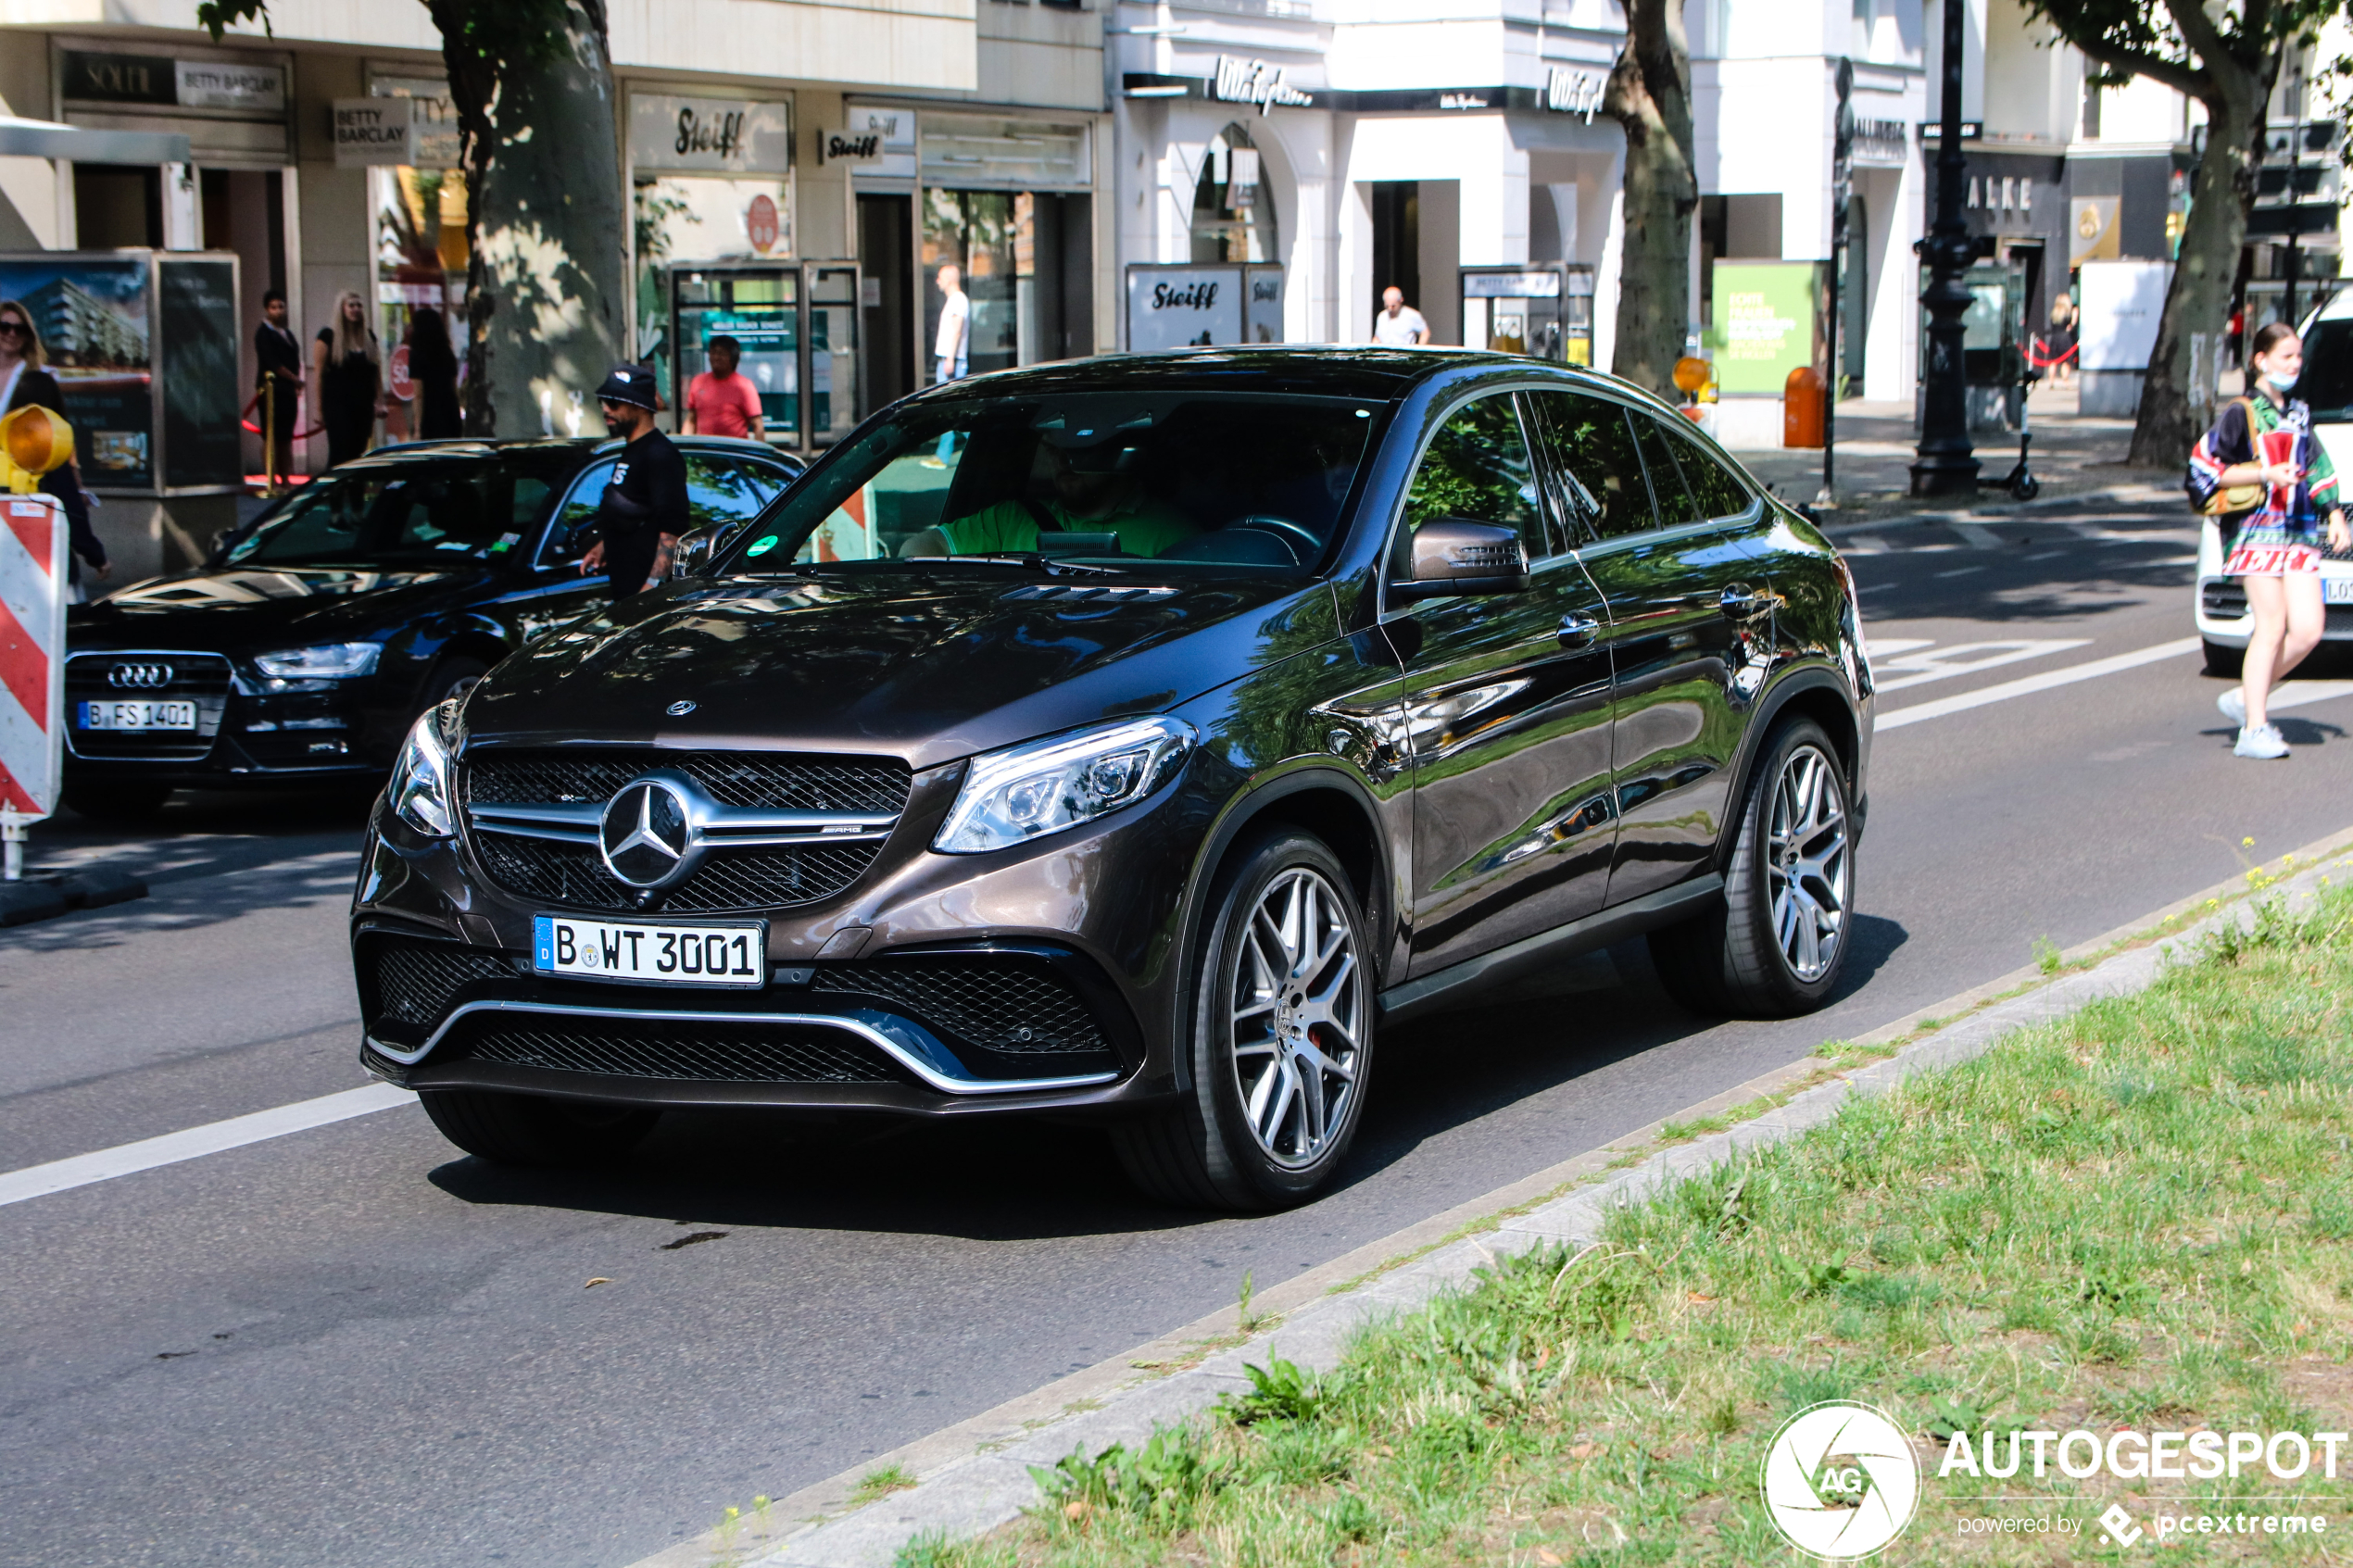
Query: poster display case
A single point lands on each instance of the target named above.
(143, 345)
(797, 325)
(1200, 305)
(1542, 308)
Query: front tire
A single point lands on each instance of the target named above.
(1279, 1038)
(1777, 945)
(532, 1130)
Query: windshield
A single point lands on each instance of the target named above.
(418, 513)
(1210, 481)
(2327, 381)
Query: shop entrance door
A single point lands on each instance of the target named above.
(886, 315)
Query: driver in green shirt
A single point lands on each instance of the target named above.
(1096, 491)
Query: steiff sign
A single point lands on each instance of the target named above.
(863, 148)
(710, 135)
(1183, 307)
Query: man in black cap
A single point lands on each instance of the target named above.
(644, 509)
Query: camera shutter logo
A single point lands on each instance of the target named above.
(1841, 1480)
(139, 677)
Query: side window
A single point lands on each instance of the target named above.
(1675, 504)
(1594, 463)
(1477, 467)
(569, 535)
(1716, 489)
(725, 490)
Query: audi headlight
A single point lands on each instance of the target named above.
(1025, 792)
(420, 789)
(327, 661)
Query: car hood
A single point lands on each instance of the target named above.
(242, 608)
(927, 668)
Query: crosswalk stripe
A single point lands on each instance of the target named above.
(2027, 685)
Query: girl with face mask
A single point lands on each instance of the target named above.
(2274, 546)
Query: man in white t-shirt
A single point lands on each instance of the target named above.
(1398, 325)
(954, 347)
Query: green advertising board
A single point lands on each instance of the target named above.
(1763, 324)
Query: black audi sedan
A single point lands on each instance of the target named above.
(304, 648)
(1131, 741)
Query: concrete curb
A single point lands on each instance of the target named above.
(974, 1476)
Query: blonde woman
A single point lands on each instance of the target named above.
(24, 383)
(348, 368)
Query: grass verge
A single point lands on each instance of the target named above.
(2140, 1216)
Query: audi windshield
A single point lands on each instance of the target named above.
(1208, 482)
(410, 511)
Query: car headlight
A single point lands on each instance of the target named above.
(1025, 792)
(327, 661)
(420, 789)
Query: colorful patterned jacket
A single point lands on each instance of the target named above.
(2283, 516)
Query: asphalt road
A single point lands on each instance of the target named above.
(350, 1347)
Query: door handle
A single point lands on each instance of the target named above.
(1578, 631)
(1741, 601)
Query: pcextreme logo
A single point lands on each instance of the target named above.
(1841, 1480)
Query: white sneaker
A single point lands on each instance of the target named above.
(2234, 706)
(2261, 741)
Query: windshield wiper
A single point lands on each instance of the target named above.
(1053, 566)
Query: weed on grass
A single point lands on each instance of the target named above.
(881, 1481)
(2140, 1216)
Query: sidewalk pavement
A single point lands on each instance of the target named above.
(972, 1477)
(2072, 456)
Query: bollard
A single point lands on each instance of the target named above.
(12, 838)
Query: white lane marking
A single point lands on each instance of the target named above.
(1960, 572)
(1888, 648)
(1961, 659)
(2048, 555)
(2296, 694)
(1866, 545)
(2027, 685)
(1977, 536)
(125, 1159)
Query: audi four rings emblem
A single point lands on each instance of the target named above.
(139, 677)
(644, 834)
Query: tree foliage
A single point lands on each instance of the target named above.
(2227, 58)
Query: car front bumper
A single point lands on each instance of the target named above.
(1041, 978)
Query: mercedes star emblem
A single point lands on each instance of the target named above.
(643, 833)
(683, 707)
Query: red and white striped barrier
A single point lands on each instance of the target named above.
(33, 665)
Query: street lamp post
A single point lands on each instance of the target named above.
(1842, 185)
(1945, 465)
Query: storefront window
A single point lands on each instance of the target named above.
(699, 217)
(421, 245)
(1233, 211)
(989, 236)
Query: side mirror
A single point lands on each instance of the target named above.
(696, 546)
(219, 545)
(1454, 555)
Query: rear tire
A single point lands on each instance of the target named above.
(1777, 945)
(125, 801)
(512, 1129)
(2223, 661)
(1278, 1036)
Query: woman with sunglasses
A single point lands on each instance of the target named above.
(24, 384)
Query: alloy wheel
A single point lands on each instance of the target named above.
(1807, 868)
(1298, 1007)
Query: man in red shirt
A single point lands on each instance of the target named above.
(721, 401)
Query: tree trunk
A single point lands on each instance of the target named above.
(2177, 398)
(545, 214)
(1649, 93)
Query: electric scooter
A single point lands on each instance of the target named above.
(2021, 482)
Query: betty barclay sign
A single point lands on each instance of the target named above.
(710, 135)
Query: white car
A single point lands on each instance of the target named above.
(2327, 385)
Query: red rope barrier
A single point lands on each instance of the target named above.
(255, 427)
